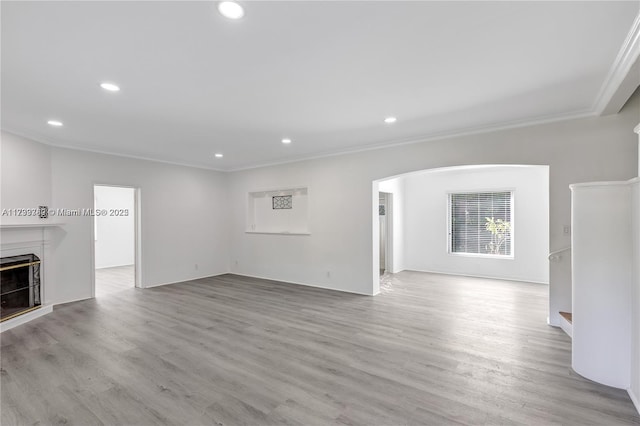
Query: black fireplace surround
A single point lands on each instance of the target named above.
(19, 285)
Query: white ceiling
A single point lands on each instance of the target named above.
(324, 74)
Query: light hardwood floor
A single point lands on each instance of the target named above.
(430, 349)
(114, 280)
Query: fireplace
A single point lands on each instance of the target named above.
(19, 285)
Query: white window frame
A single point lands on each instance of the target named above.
(482, 255)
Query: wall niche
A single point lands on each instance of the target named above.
(279, 211)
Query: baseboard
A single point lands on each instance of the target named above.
(25, 318)
(304, 284)
(523, 280)
(182, 281)
(557, 325)
(566, 326)
(79, 299)
(115, 266)
(634, 399)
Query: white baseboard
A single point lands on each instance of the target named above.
(79, 299)
(634, 399)
(115, 266)
(25, 318)
(524, 280)
(304, 284)
(566, 326)
(551, 323)
(182, 281)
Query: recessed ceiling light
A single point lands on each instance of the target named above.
(110, 87)
(390, 120)
(230, 9)
(218, 155)
(54, 123)
(286, 141)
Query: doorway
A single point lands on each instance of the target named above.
(428, 231)
(384, 214)
(115, 239)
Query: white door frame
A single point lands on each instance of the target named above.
(137, 237)
(388, 255)
(388, 230)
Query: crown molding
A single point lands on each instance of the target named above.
(470, 131)
(46, 141)
(619, 72)
(496, 127)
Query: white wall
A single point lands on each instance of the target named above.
(25, 168)
(426, 221)
(184, 212)
(634, 390)
(342, 207)
(183, 215)
(114, 233)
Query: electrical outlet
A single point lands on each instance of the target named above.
(196, 266)
(566, 230)
(236, 262)
(328, 274)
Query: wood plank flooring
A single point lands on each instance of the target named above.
(430, 349)
(113, 280)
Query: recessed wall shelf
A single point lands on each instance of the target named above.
(283, 211)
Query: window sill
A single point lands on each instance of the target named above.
(484, 256)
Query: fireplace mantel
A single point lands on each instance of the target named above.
(30, 237)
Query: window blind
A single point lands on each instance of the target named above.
(481, 223)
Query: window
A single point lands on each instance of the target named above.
(481, 223)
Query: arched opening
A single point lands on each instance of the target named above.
(489, 221)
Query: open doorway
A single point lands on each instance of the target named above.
(489, 221)
(115, 239)
(384, 213)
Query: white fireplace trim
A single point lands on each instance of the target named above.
(26, 239)
(25, 318)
